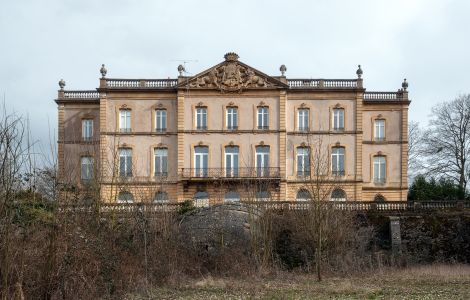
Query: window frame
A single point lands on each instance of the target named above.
(203, 159)
(162, 124)
(263, 112)
(89, 166)
(128, 163)
(382, 167)
(376, 137)
(161, 172)
(336, 158)
(127, 122)
(336, 120)
(232, 112)
(202, 112)
(300, 124)
(87, 129)
(234, 168)
(303, 172)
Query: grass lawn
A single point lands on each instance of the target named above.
(427, 282)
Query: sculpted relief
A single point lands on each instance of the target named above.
(231, 76)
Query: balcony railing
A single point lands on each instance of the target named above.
(141, 83)
(383, 96)
(322, 83)
(81, 95)
(246, 172)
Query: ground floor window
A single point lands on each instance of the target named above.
(125, 197)
(338, 195)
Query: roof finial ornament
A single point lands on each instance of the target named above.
(231, 56)
(62, 84)
(283, 69)
(359, 71)
(181, 69)
(404, 84)
(103, 71)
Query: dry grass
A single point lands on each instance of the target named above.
(424, 282)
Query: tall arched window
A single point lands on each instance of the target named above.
(303, 195)
(161, 197)
(338, 195)
(232, 196)
(125, 197)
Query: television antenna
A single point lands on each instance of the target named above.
(184, 62)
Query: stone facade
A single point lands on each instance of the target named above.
(274, 113)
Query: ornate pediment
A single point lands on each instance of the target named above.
(231, 76)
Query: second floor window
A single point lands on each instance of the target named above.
(161, 161)
(201, 161)
(160, 120)
(87, 129)
(125, 162)
(302, 119)
(303, 161)
(379, 130)
(337, 161)
(338, 119)
(379, 169)
(86, 168)
(262, 161)
(232, 115)
(125, 120)
(263, 118)
(231, 161)
(201, 118)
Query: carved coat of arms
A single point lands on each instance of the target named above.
(230, 76)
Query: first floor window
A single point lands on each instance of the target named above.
(337, 161)
(201, 161)
(87, 168)
(379, 169)
(262, 161)
(125, 120)
(160, 120)
(87, 129)
(231, 161)
(161, 161)
(125, 162)
(303, 161)
(338, 119)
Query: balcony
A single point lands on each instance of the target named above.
(227, 174)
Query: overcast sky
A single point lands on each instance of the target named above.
(426, 41)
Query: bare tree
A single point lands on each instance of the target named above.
(415, 150)
(447, 141)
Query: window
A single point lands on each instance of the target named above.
(125, 197)
(87, 129)
(160, 120)
(337, 161)
(338, 195)
(231, 161)
(161, 161)
(232, 196)
(263, 119)
(125, 120)
(379, 130)
(232, 118)
(201, 118)
(379, 169)
(201, 156)
(201, 199)
(161, 197)
(303, 195)
(338, 119)
(379, 198)
(303, 119)
(303, 161)
(125, 162)
(262, 161)
(87, 168)
(263, 195)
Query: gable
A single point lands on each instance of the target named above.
(231, 76)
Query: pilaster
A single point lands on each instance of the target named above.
(282, 144)
(358, 146)
(180, 126)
